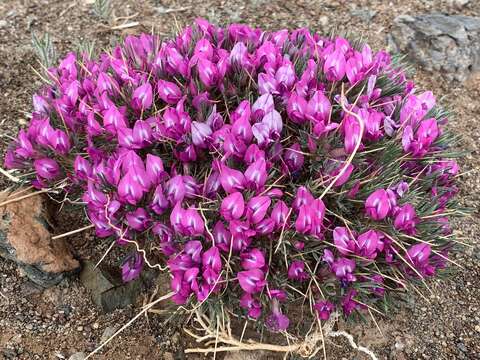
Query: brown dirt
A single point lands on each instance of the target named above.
(60, 321)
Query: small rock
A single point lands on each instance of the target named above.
(95, 326)
(107, 288)
(3, 23)
(78, 356)
(364, 14)
(107, 333)
(26, 240)
(323, 20)
(80, 328)
(458, 3)
(462, 347)
(399, 346)
(447, 44)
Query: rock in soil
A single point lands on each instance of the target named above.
(78, 356)
(107, 290)
(442, 43)
(25, 239)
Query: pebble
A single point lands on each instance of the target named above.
(80, 328)
(107, 333)
(78, 356)
(3, 23)
(95, 326)
(323, 20)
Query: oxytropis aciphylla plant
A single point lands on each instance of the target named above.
(261, 168)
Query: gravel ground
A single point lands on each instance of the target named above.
(58, 322)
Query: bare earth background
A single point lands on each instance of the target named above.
(60, 321)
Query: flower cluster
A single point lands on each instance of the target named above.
(261, 167)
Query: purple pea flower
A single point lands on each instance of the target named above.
(294, 158)
(252, 259)
(303, 197)
(296, 271)
(138, 219)
(280, 214)
(47, 168)
(142, 97)
(82, 168)
(251, 281)
(277, 321)
(344, 268)
(231, 179)
(406, 219)
(318, 107)
(169, 92)
(377, 205)
(334, 67)
(132, 267)
(254, 307)
(207, 72)
(221, 236)
(256, 174)
(212, 259)
(419, 255)
(343, 240)
(324, 308)
(257, 208)
(232, 206)
(297, 108)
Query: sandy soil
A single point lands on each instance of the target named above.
(55, 323)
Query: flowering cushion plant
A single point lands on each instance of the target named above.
(259, 167)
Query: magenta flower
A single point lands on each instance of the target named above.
(305, 219)
(348, 302)
(256, 174)
(406, 219)
(297, 108)
(296, 271)
(132, 267)
(344, 241)
(368, 244)
(419, 255)
(377, 205)
(231, 179)
(344, 268)
(254, 307)
(334, 67)
(324, 309)
(138, 219)
(47, 168)
(82, 168)
(201, 132)
(232, 206)
(277, 321)
(211, 258)
(221, 236)
(318, 107)
(257, 208)
(294, 158)
(252, 259)
(169, 92)
(303, 197)
(280, 214)
(208, 72)
(352, 133)
(251, 281)
(263, 105)
(142, 97)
